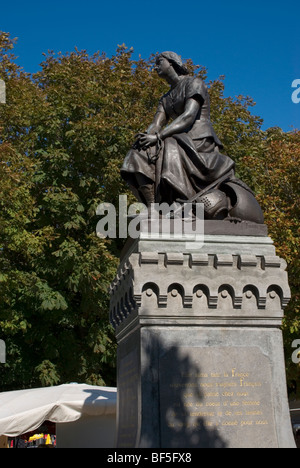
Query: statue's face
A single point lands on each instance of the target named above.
(162, 66)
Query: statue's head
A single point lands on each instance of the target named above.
(175, 60)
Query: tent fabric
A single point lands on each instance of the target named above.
(24, 411)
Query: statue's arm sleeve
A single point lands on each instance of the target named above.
(196, 89)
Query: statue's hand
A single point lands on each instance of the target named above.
(145, 140)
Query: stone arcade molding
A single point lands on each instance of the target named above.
(237, 285)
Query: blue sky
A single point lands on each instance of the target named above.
(256, 44)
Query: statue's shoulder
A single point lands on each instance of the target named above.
(196, 81)
(194, 85)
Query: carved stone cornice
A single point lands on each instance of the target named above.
(199, 288)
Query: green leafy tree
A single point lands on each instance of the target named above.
(64, 133)
(276, 177)
(54, 271)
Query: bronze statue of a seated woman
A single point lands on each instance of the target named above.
(179, 156)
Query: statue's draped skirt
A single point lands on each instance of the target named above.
(184, 167)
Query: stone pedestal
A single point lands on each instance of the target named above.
(200, 352)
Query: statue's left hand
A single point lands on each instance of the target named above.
(145, 140)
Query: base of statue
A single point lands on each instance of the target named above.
(200, 351)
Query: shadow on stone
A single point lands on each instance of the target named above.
(180, 389)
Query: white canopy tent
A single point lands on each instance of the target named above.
(80, 411)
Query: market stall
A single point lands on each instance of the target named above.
(84, 415)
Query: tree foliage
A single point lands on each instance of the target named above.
(276, 175)
(63, 135)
